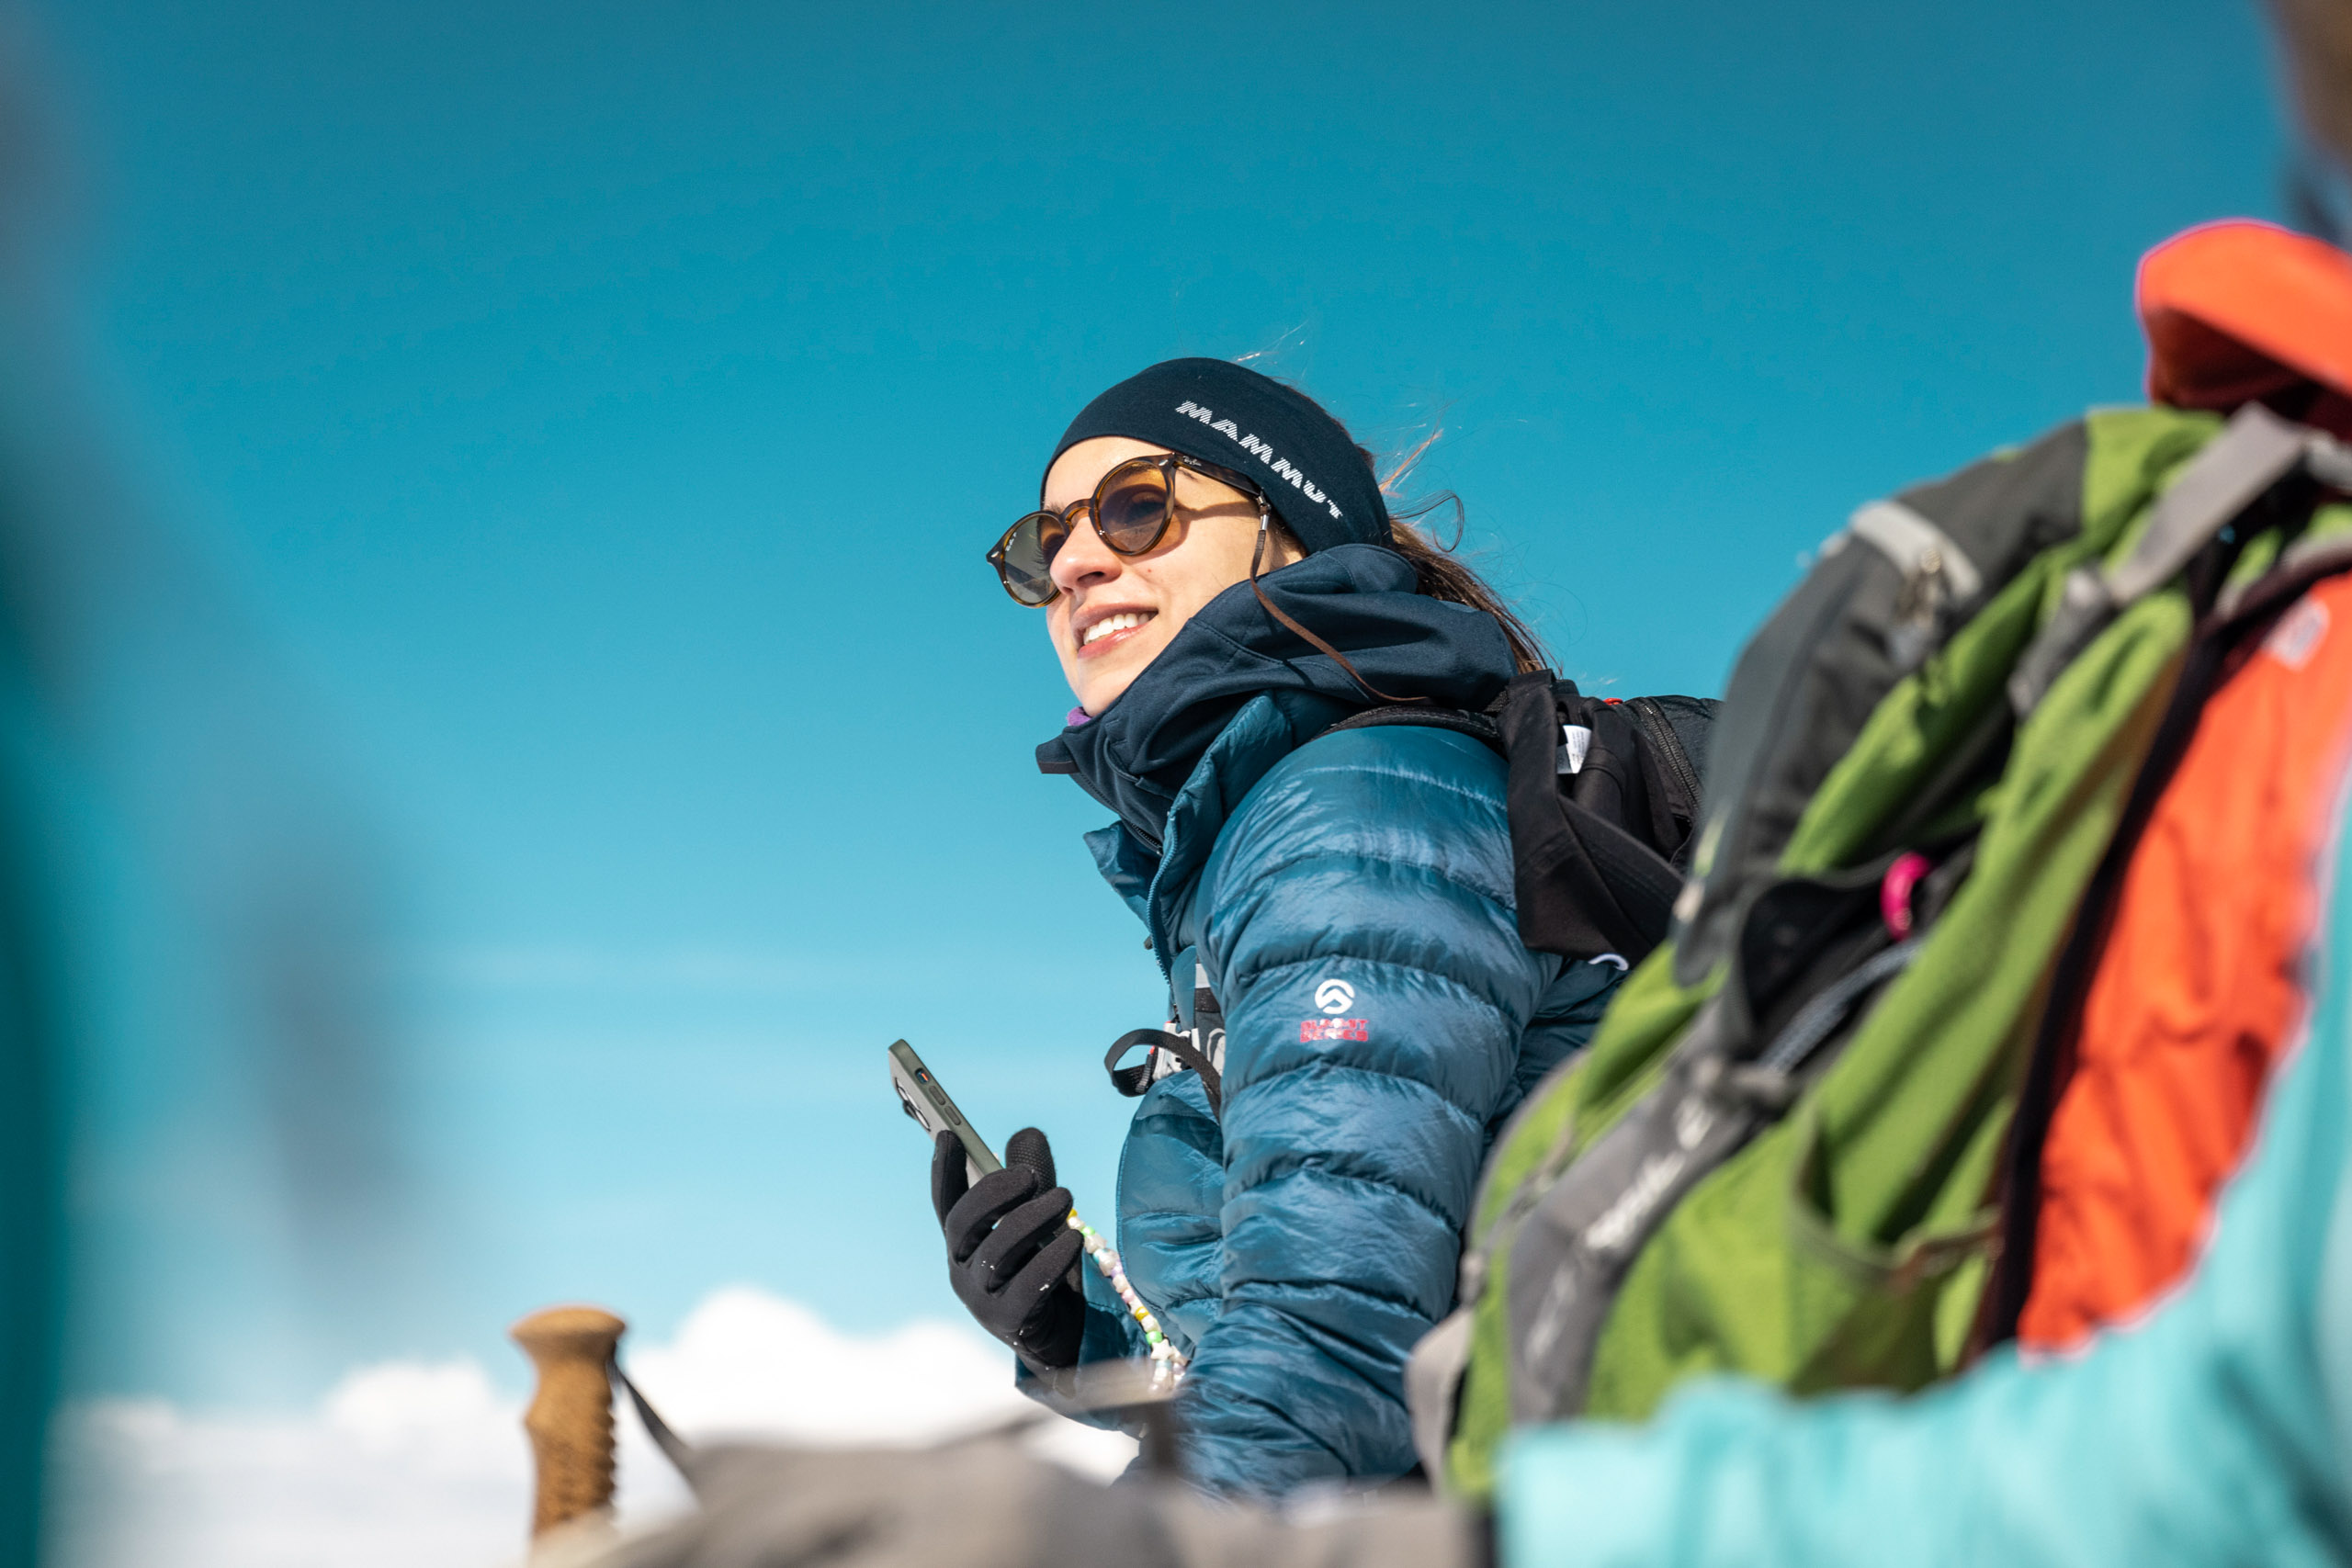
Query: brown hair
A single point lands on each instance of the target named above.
(1442, 574)
(1438, 571)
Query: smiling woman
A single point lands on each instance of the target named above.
(1113, 611)
(1225, 587)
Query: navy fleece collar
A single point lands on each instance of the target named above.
(1137, 755)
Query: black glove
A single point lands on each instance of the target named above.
(1010, 1253)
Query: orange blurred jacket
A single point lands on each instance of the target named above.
(2198, 986)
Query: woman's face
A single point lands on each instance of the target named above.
(1115, 613)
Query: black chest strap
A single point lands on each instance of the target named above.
(1201, 1050)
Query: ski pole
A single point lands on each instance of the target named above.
(571, 1417)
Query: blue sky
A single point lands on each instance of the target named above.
(604, 408)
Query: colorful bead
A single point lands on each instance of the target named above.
(1168, 1363)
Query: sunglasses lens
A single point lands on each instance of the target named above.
(1131, 506)
(1025, 560)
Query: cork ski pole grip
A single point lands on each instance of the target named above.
(570, 1417)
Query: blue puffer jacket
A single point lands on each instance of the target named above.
(1297, 1244)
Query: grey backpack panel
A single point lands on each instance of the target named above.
(1860, 621)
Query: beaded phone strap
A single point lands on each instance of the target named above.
(1168, 1363)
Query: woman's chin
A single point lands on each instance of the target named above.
(1098, 682)
(1101, 693)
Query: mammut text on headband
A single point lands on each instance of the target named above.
(1231, 415)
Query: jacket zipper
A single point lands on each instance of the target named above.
(1659, 729)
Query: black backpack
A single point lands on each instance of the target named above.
(1604, 800)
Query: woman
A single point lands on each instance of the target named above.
(1223, 583)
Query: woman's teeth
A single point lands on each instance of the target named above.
(1110, 624)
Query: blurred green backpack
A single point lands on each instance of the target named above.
(1778, 1157)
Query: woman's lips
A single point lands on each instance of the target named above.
(1099, 646)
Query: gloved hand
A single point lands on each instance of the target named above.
(1010, 1253)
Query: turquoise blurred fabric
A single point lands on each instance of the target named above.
(31, 1170)
(2212, 1432)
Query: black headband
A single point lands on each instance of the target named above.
(1225, 413)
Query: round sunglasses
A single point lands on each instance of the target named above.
(1131, 509)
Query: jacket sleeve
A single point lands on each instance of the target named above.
(1111, 1334)
(1359, 932)
(2207, 1434)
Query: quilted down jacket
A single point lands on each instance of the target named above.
(1346, 895)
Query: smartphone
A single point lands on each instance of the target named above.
(920, 1096)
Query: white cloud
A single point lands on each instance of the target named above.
(409, 1462)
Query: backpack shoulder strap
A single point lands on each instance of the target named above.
(1476, 726)
(1132, 1081)
(1585, 886)
(1201, 1049)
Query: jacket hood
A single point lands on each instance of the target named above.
(1360, 598)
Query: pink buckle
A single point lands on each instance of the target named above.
(1895, 891)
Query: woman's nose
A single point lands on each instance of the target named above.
(1083, 558)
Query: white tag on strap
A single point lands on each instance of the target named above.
(1575, 741)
